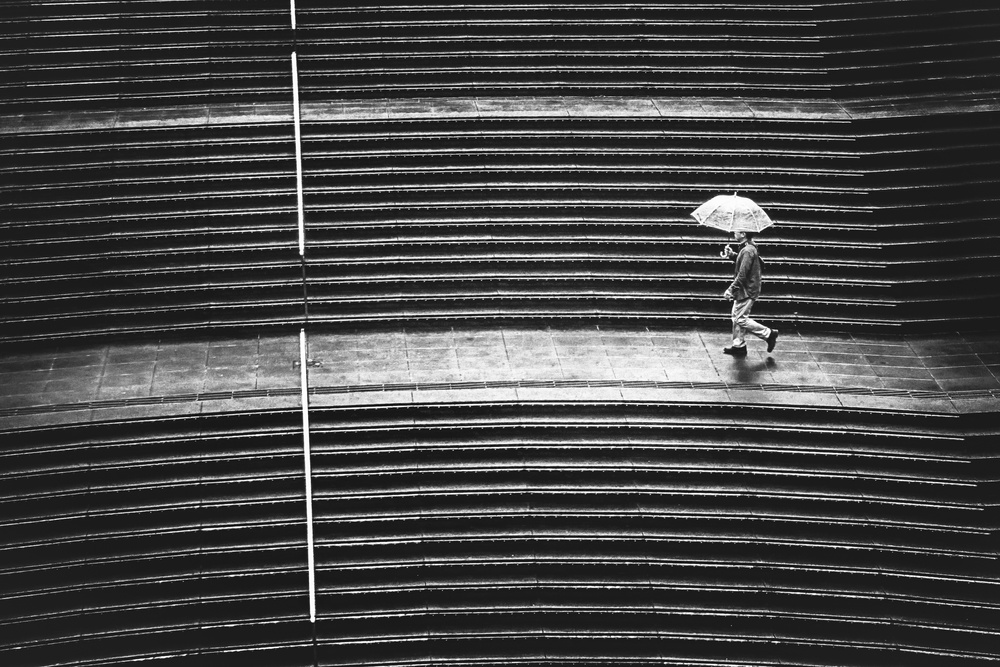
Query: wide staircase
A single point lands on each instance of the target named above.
(524, 48)
(934, 200)
(911, 50)
(427, 205)
(131, 540)
(532, 214)
(506, 532)
(650, 534)
(92, 54)
(148, 168)
(470, 163)
(143, 227)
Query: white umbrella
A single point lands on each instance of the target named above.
(732, 213)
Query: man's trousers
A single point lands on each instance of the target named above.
(742, 324)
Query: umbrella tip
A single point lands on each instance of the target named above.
(736, 192)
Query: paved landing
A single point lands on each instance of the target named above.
(946, 373)
(565, 106)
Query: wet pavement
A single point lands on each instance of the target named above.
(566, 106)
(939, 373)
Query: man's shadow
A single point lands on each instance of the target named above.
(748, 372)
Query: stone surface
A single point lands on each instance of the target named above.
(488, 107)
(586, 362)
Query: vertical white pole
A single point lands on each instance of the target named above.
(303, 357)
(298, 155)
(304, 379)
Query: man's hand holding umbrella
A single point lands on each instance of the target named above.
(728, 253)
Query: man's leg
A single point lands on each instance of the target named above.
(743, 324)
(739, 346)
(739, 333)
(752, 326)
(741, 320)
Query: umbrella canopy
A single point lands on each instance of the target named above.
(732, 213)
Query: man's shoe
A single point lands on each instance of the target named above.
(740, 351)
(772, 339)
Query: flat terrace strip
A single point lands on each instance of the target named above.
(565, 106)
(458, 107)
(949, 374)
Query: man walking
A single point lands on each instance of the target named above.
(744, 290)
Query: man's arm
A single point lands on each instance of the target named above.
(743, 264)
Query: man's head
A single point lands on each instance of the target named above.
(743, 236)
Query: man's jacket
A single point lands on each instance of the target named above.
(746, 274)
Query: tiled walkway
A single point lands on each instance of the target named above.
(486, 107)
(935, 364)
(938, 373)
